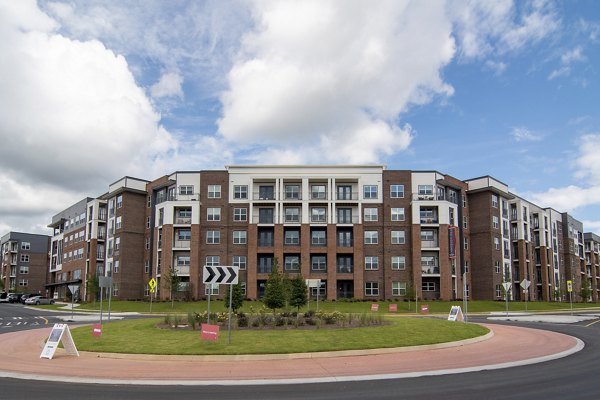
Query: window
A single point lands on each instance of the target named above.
(292, 192)
(240, 191)
(186, 189)
(428, 286)
(239, 261)
(120, 201)
(318, 192)
(23, 282)
(24, 257)
(371, 237)
(398, 237)
(25, 245)
(370, 191)
(344, 215)
(465, 222)
(370, 215)
(266, 237)
(494, 201)
(318, 263)
(23, 269)
(397, 214)
(495, 222)
(147, 243)
(292, 214)
(371, 288)
(427, 236)
(183, 260)
(318, 238)
(119, 224)
(265, 264)
(239, 237)
(240, 214)
(318, 214)
(117, 243)
(398, 288)
(371, 262)
(499, 291)
(212, 261)
(451, 215)
(344, 192)
(344, 238)
(265, 215)
(213, 214)
(452, 196)
(496, 243)
(214, 191)
(425, 190)
(213, 237)
(116, 268)
(147, 266)
(184, 234)
(497, 267)
(464, 201)
(292, 263)
(148, 222)
(397, 191)
(148, 202)
(211, 289)
(345, 264)
(292, 237)
(398, 262)
(466, 243)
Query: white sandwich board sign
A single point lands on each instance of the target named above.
(60, 332)
(456, 314)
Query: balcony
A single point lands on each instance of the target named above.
(183, 220)
(345, 243)
(423, 197)
(265, 269)
(182, 270)
(293, 218)
(429, 244)
(427, 220)
(353, 196)
(345, 269)
(430, 270)
(347, 220)
(318, 219)
(100, 255)
(266, 243)
(181, 244)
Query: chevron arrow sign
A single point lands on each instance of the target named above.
(220, 274)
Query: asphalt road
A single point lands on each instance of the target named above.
(573, 377)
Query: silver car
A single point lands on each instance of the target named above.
(37, 300)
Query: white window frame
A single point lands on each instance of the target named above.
(240, 214)
(428, 286)
(25, 246)
(213, 237)
(212, 261)
(371, 263)
(370, 192)
(397, 191)
(398, 237)
(398, 288)
(240, 192)
(370, 214)
(398, 214)
(240, 261)
(371, 289)
(214, 191)
(213, 214)
(371, 237)
(240, 237)
(186, 190)
(398, 263)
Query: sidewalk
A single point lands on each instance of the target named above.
(507, 346)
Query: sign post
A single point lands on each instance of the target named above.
(313, 283)
(525, 285)
(226, 275)
(507, 287)
(570, 290)
(73, 289)
(152, 286)
(103, 282)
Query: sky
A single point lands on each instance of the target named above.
(94, 90)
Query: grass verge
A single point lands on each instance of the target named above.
(143, 337)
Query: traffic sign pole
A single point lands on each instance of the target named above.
(229, 327)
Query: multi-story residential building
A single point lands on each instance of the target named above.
(69, 250)
(24, 264)
(592, 263)
(365, 232)
(126, 225)
(573, 254)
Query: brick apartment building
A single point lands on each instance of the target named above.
(365, 231)
(24, 265)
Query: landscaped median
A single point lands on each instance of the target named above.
(146, 336)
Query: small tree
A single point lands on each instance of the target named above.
(298, 292)
(586, 290)
(274, 289)
(411, 293)
(92, 287)
(172, 281)
(237, 298)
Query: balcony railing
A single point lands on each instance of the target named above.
(265, 269)
(429, 244)
(345, 243)
(183, 220)
(347, 220)
(347, 196)
(423, 197)
(181, 244)
(182, 270)
(432, 220)
(345, 269)
(266, 243)
(427, 270)
(100, 255)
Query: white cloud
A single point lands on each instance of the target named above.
(169, 85)
(72, 117)
(336, 75)
(498, 67)
(521, 134)
(588, 162)
(557, 73)
(566, 59)
(499, 27)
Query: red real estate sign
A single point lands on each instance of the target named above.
(424, 308)
(209, 332)
(97, 330)
(393, 307)
(374, 307)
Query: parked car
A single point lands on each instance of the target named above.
(14, 297)
(3, 297)
(37, 300)
(25, 297)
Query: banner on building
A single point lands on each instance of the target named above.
(452, 241)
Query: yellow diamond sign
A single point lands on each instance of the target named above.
(152, 284)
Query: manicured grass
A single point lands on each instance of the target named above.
(143, 337)
(342, 306)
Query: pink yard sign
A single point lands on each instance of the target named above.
(425, 309)
(209, 332)
(374, 307)
(393, 308)
(97, 330)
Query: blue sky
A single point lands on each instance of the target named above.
(95, 90)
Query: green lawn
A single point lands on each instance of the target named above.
(345, 307)
(143, 337)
